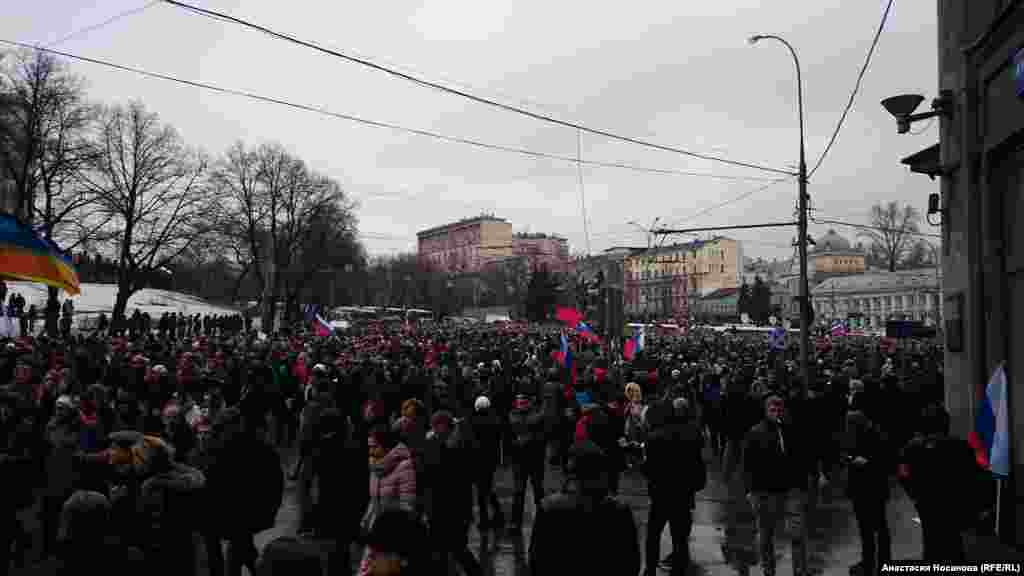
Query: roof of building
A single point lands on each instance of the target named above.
(462, 222)
(880, 282)
(722, 293)
(831, 242)
(538, 236)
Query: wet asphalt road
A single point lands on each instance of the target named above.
(723, 537)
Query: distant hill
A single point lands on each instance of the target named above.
(96, 298)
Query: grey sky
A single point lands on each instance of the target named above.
(676, 73)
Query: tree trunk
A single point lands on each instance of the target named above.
(124, 292)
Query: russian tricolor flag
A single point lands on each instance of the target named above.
(322, 327)
(565, 358)
(586, 332)
(633, 344)
(991, 436)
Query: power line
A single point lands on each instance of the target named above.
(108, 21)
(856, 89)
(733, 200)
(479, 99)
(376, 123)
(875, 228)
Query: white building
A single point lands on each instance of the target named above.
(877, 297)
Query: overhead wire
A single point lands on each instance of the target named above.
(467, 95)
(107, 22)
(856, 89)
(874, 228)
(376, 123)
(725, 203)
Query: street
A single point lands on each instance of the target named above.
(723, 537)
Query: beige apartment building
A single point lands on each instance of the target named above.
(661, 281)
(466, 246)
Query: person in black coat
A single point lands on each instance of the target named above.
(484, 454)
(868, 455)
(245, 485)
(451, 492)
(344, 479)
(675, 472)
(582, 527)
(941, 475)
(776, 468)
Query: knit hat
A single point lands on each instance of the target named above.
(84, 516)
(482, 403)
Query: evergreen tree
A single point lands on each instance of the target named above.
(761, 300)
(744, 300)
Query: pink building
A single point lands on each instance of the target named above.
(464, 247)
(543, 250)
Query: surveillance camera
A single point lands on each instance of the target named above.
(903, 105)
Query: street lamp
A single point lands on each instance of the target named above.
(805, 368)
(654, 224)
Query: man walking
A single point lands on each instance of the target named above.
(776, 476)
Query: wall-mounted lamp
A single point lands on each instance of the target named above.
(934, 207)
(902, 108)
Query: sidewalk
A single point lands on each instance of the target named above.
(723, 541)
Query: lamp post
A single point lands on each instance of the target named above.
(805, 367)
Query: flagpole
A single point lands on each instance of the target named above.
(999, 498)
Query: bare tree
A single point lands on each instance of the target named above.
(44, 148)
(150, 192)
(893, 233)
(283, 224)
(240, 213)
(321, 229)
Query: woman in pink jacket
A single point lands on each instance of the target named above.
(392, 480)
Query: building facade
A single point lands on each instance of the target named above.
(722, 305)
(542, 250)
(466, 246)
(870, 300)
(661, 282)
(980, 163)
(833, 255)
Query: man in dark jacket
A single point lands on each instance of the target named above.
(344, 479)
(869, 459)
(675, 473)
(942, 477)
(486, 437)
(526, 428)
(597, 530)
(776, 475)
(245, 485)
(451, 492)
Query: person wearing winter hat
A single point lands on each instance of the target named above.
(486, 440)
(86, 540)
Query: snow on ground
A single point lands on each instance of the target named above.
(96, 298)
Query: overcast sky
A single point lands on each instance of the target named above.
(671, 72)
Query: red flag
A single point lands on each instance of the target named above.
(568, 316)
(628, 349)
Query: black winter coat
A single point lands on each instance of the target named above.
(245, 485)
(870, 481)
(568, 539)
(675, 465)
(766, 467)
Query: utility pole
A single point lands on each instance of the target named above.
(805, 364)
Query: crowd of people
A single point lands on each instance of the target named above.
(155, 448)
